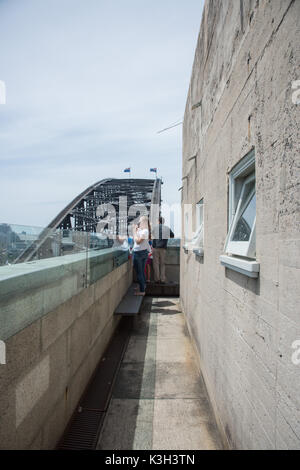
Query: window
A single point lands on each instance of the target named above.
(199, 214)
(186, 228)
(193, 241)
(197, 240)
(186, 232)
(242, 209)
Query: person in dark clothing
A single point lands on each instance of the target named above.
(160, 235)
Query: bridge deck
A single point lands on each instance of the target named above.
(159, 400)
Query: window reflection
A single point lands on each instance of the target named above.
(244, 225)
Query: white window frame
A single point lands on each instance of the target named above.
(186, 227)
(186, 231)
(240, 176)
(243, 248)
(199, 214)
(197, 240)
(193, 241)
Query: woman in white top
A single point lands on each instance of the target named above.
(141, 249)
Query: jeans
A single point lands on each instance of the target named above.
(139, 262)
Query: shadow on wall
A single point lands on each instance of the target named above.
(253, 285)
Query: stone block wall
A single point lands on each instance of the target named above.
(173, 264)
(54, 347)
(240, 98)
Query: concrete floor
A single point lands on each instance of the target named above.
(159, 400)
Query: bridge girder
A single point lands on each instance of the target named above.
(81, 213)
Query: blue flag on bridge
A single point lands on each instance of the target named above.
(127, 170)
(154, 170)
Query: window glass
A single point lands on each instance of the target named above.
(186, 226)
(197, 240)
(241, 238)
(245, 222)
(248, 188)
(199, 214)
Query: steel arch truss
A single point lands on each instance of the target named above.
(82, 214)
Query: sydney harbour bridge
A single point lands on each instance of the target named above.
(81, 216)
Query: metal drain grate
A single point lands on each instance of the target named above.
(85, 425)
(83, 431)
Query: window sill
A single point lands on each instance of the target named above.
(243, 266)
(199, 252)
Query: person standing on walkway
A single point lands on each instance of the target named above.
(161, 233)
(141, 248)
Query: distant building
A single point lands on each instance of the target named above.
(240, 255)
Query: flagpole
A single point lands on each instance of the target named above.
(154, 170)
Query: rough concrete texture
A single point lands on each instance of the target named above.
(243, 329)
(50, 361)
(172, 263)
(159, 400)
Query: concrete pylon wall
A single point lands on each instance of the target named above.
(241, 97)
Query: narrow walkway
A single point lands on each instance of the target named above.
(159, 400)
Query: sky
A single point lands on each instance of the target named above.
(89, 83)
